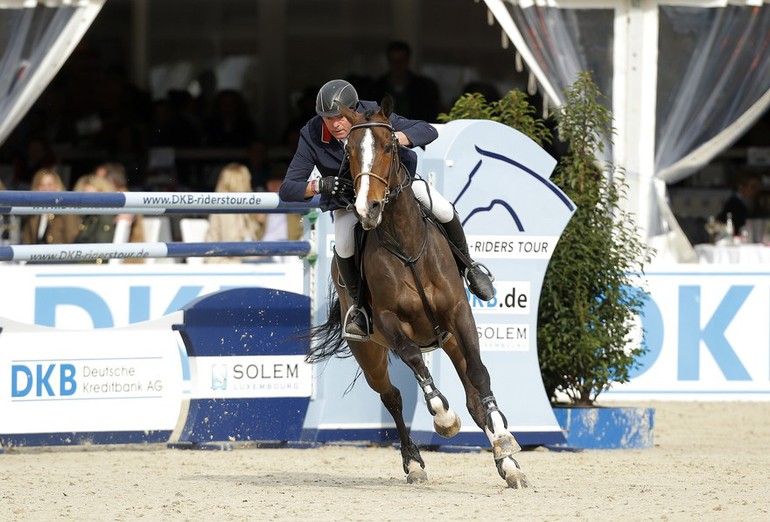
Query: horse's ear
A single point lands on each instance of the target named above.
(348, 113)
(386, 106)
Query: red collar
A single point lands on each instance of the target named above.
(326, 135)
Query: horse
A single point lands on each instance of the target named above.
(417, 297)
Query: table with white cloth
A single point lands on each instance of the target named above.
(745, 254)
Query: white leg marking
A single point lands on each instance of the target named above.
(498, 425)
(443, 417)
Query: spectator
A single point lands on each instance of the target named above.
(130, 151)
(280, 227)
(9, 226)
(488, 90)
(37, 155)
(115, 174)
(49, 228)
(305, 109)
(230, 123)
(234, 177)
(742, 203)
(258, 163)
(415, 96)
(170, 127)
(98, 228)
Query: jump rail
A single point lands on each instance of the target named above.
(24, 202)
(103, 251)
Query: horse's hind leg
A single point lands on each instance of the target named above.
(484, 410)
(446, 422)
(373, 360)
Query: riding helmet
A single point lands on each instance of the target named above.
(332, 93)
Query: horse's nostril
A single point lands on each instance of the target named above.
(375, 205)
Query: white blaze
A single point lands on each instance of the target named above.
(367, 160)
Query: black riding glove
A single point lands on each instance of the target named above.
(336, 186)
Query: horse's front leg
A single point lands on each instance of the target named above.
(446, 422)
(373, 360)
(483, 407)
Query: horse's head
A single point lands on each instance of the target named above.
(372, 149)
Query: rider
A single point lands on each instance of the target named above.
(321, 145)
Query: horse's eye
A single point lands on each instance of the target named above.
(388, 148)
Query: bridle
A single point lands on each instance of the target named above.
(395, 163)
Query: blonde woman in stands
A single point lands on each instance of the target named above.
(234, 177)
(49, 228)
(97, 228)
(115, 174)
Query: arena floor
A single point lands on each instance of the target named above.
(710, 462)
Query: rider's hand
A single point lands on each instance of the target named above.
(335, 186)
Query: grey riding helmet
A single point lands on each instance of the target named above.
(332, 93)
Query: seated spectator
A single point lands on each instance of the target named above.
(36, 156)
(169, 128)
(234, 177)
(9, 226)
(258, 163)
(98, 228)
(49, 228)
(230, 124)
(280, 227)
(115, 174)
(742, 203)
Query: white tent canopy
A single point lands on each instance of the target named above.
(36, 39)
(686, 78)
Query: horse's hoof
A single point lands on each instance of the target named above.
(516, 480)
(451, 430)
(510, 471)
(417, 477)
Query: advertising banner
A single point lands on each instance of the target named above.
(707, 335)
(124, 380)
(85, 296)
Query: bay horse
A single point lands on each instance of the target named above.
(418, 300)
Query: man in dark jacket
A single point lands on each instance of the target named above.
(321, 146)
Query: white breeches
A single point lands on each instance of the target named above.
(345, 220)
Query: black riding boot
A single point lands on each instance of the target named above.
(357, 327)
(478, 279)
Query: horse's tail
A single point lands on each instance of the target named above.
(326, 339)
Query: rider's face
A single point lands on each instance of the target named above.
(339, 126)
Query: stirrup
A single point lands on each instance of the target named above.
(480, 281)
(346, 321)
(482, 267)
